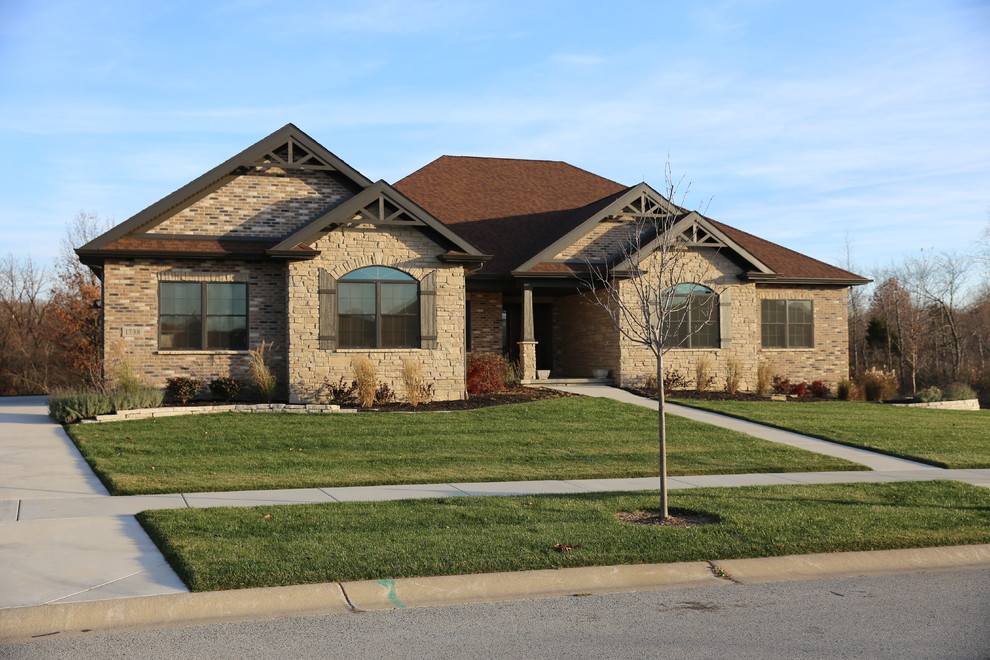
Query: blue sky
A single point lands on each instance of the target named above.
(801, 122)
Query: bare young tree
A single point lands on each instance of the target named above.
(648, 290)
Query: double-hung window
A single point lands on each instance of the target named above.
(202, 316)
(378, 307)
(787, 324)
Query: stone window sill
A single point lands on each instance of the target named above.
(789, 350)
(201, 352)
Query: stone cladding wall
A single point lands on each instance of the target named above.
(740, 329)
(130, 312)
(259, 204)
(344, 250)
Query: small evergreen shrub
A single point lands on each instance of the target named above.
(959, 392)
(929, 395)
(69, 407)
(843, 390)
(183, 388)
(225, 387)
(820, 389)
(132, 399)
(486, 373)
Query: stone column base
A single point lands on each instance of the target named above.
(527, 360)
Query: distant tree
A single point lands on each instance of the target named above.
(76, 298)
(26, 350)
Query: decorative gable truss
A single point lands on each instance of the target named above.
(638, 220)
(292, 155)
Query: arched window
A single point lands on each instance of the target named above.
(692, 316)
(378, 307)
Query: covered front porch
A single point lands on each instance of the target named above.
(550, 329)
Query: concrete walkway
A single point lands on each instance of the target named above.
(871, 459)
(64, 539)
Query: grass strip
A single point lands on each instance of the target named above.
(944, 438)
(232, 548)
(570, 438)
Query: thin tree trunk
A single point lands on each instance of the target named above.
(662, 421)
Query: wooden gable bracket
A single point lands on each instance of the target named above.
(382, 211)
(697, 236)
(291, 156)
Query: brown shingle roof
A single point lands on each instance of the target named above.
(509, 208)
(195, 246)
(786, 263)
(513, 209)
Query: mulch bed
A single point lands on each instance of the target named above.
(673, 520)
(517, 394)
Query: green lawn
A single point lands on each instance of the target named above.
(945, 438)
(569, 438)
(231, 548)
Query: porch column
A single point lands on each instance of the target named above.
(527, 347)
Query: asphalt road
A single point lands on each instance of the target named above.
(923, 615)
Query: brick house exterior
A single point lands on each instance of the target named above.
(287, 244)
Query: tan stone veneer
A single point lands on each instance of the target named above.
(344, 250)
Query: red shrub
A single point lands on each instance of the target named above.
(820, 389)
(799, 389)
(486, 373)
(781, 385)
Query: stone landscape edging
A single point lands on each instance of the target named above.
(174, 411)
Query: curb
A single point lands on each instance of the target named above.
(24, 624)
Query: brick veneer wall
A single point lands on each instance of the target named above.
(605, 240)
(587, 338)
(269, 203)
(740, 329)
(344, 250)
(130, 307)
(486, 321)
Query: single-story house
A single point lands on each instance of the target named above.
(285, 243)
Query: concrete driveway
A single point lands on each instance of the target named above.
(64, 560)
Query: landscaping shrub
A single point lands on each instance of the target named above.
(799, 389)
(225, 387)
(958, 392)
(703, 376)
(843, 390)
(764, 376)
(733, 374)
(384, 394)
(366, 377)
(672, 380)
(820, 389)
(929, 395)
(781, 385)
(69, 407)
(416, 388)
(340, 393)
(649, 385)
(262, 376)
(878, 385)
(140, 397)
(183, 388)
(486, 373)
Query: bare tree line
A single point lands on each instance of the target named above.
(50, 335)
(927, 318)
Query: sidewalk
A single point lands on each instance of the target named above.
(64, 539)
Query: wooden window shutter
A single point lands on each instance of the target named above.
(725, 318)
(328, 311)
(428, 311)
